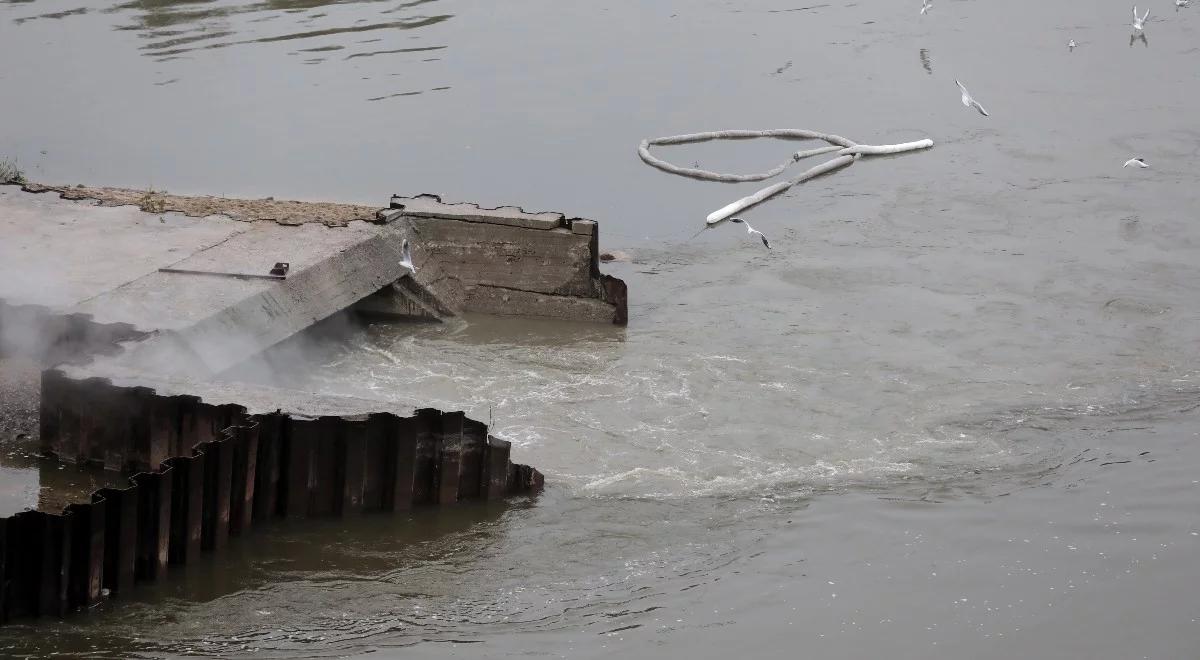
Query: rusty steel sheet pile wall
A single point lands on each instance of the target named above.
(211, 472)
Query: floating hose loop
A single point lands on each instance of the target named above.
(847, 152)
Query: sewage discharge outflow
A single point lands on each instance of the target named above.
(136, 317)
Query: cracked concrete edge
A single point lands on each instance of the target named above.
(284, 212)
(429, 205)
(294, 212)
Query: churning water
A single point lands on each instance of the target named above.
(954, 412)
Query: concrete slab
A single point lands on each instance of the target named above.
(220, 322)
(74, 258)
(173, 301)
(431, 206)
(59, 254)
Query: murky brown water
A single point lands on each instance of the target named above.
(954, 412)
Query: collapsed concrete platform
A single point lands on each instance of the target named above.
(137, 314)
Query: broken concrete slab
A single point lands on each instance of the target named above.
(432, 206)
(288, 212)
(59, 254)
(507, 261)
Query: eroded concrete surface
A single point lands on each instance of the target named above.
(170, 302)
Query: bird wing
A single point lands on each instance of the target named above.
(764, 240)
(979, 108)
(1135, 13)
(960, 86)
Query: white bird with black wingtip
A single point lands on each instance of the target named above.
(970, 101)
(751, 230)
(1135, 162)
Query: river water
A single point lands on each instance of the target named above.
(954, 412)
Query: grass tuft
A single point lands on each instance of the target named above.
(10, 173)
(150, 202)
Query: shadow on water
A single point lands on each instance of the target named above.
(259, 594)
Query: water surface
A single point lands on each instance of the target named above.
(952, 414)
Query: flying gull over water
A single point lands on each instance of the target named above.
(970, 101)
(406, 257)
(1182, 3)
(1140, 23)
(751, 230)
(926, 5)
(1136, 162)
(1071, 45)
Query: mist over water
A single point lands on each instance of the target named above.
(953, 412)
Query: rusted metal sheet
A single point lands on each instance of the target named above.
(407, 486)
(245, 465)
(154, 523)
(4, 579)
(86, 570)
(381, 473)
(267, 470)
(49, 415)
(139, 405)
(427, 430)
(297, 466)
(218, 482)
(241, 469)
(324, 488)
(55, 566)
(120, 537)
(187, 508)
(450, 458)
(101, 426)
(496, 463)
(190, 423)
(471, 469)
(353, 462)
(23, 537)
(163, 440)
(37, 564)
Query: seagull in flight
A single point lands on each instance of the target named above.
(406, 258)
(926, 5)
(1136, 162)
(1181, 3)
(969, 101)
(751, 230)
(1140, 23)
(1071, 45)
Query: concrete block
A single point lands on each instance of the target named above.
(431, 206)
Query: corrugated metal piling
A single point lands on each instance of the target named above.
(207, 473)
